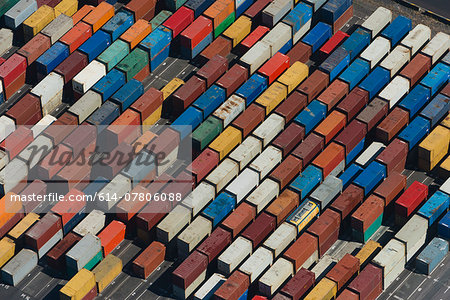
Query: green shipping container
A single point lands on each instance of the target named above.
(6, 5)
(133, 63)
(160, 18)
(114, 54)
(206, 132)
(94, 261)
(224, 25)
(173, 5)
(364, 237)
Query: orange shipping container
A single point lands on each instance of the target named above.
(219, 11)
(143, 141)
(125, 210)
(76, 36)
(124, 129)
(99, 15)
(8, 207)
(329, 127)
(282, 206)
(112, 236)
(83, 12)
(136, 33)
(330, 158)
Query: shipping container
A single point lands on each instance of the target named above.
(239, 250)
(37, 21)
(281, 238)
(263, 194)
(19, 267)
(274, 278)
(434, 207)
(436, 109)
(257, 263)
(371, 177)
(356, 42)
(190, 237)
(235, 286)
(416, 38)
(258, 54)
(311, 115)
(396, 59)
(186, 94)
(114, 54)
(327, 191)
(444, 226)
(369, 283)
(335, 92)
(413, 234)
(257, 231)
(326, 289)
(207, 290)
(84, 80)
(56, 256)
(432, 255)
(437, 46)
(418, 66)
(221, 206)
(304, 252)
(81, 254)
(415, 131)
(391, 187)
(436, 78)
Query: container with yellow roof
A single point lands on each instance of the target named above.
(226, 141)
(37, 21)
(67, 7)
(106, 271)
(444, 168)
(136, 33)
(273, 96)
(326, 289)
(434, 148)
(239, 30)
(18, 231)
(446, 122)
(7, 249)
(171, 87)
(99, 16)
(79, 286)
(293, 76)
(368, 251)
(152, 119)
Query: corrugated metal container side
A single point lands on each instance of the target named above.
(378, 20)
(219, 208)
(235, 286)
(336, 62)
(275, 11)
(432, 255)
(355, 72)
(415, 131)
(444, 226)
(369, 283)
(252, 88)
(263, 194)
(416, 38)
(257, 231)
(375, 81)
(371, 176)
(356, 42)
(390, 188)
(435, 207)
(239, 250)
(18, 267)
(418, 66)
(437, 46)
(325, 289)
(376, 51)
(396, 59)
(397, 29)
(436, 109)
(436, 78)
(257, 263)
(318, 36)
(277, 274)
(350, 174)
(395, 90)
(311, 115)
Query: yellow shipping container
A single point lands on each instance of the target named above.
(239, 30)
(67, 7)
(435, 145)
(152, 119)
(23, 226)
(38, 20)
(446, 122)
(171, 87)
(78, 286)
(429, 164)
(370, 249)
(273, 96)
(293, 76)
(326, 289)
(445, 168)
(106, 271)
(7, 249)
(226, 141)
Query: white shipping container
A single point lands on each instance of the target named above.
(324, 265)
(267, 161)
(52, 104)
(413, 234)
(378, 20)
(19, 266)
(277, 274)
(199, 197)
(239, 250)
(370, 153)
(230, 109)
(193, 235)
(256, 56)
(395, 90)
(173, 223)
(89, 76)
(50, 244)
(6, 38)
(114, 191)
(4, 159)
(49, 88)
(243, 184)
(91, 224)
(12, 174)
(264, 194)
(278, 37)
(445, 187)
(376, 51)
(416, 38)
(393, 275)
(86, 105)
(181, 293)
(280, 239)
(391, 255)
(396, 59)
(275, 11)
(19, 13)
(83, 251)
(42, 125)
(169, 160)
(316, 4)
(301, 32)
(223, 174)
(314, 258)
(7, 126)
(257, 263)
(247, 151)
(58, 27)
(437, 46)
(339, 168)
(206, 291)
(269, 129)
(324, 193)
(44, 146)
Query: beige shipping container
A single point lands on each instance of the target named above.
(37, 21)
(106, 271)
(273, 96)
(78, 286)
(293, 76)
(239, 30)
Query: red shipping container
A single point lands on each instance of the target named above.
(142, 74)
(348, 295)
(260, 229)
(43, 231)
(213, 69)
(56, 256)
(254, 11)
(112, 236)
(329, 158)
(299, 285)
(243, 215)
(91, 294)
(196, 32)
(337, 90)
(186, 94)
(416, 68)
(76, 36)
(16, 85)
(391, 187)
(250, 119)
(148, 103)
(301, 250)
(190, 269)
(215, 243)
(314, 84)
(275, 66)
(407, 203)
(309, 148)
(2, 60)
(233, 78)
(300, 52)
(289, 138)
(333, 42)
(203, 164)
(368, 282)
(394, 156)
(141, 8)
(53, 162)
(149, 259)
(17, 141)
(344, 270)
(72, 204)
(12, 68)
(233, 287)
(278, 296)
(72, 65)
(354, 102)
(286, 171)
(220, 46)
(126, 210)
(83, 138)
(290, 107)
(324, 228)
(367, 213)
(351, 135)
(179, 20)
(348, 200)
(253, 37)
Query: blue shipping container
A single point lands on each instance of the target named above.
(95, 186)
(159, 59)
(137, 170)
(437, 77)
(156, 41)
(318, 36)
(109, 84)
(436, 109)
(355, 72)
(397, 30)
(415, 131)
(241, 6)
(432, 255)
(350, 174)
(210, 100)
(415, 100)
(252, 88)
(220, 208)
(128, 93)
(74, 221)
(371, 176)
(298, 17)
(190, 119)
(96, 44)
(375, 81)
(198, 6)
(306, 181)
(311, 115)
(104, 115)
(444, 226)
(244, 295)
(355, 151)
(336, 62)
(434, 207)
(190, 54)
(118, 24)
(333, 9)
(356, 42)
(51, 58)
(286, 47)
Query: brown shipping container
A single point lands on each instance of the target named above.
(112, 168)
(348, 295)
(289, 138)
(189, 269)
(149, 259)
(446, 90)
(56, 256)
(373, 113)
(14, 86)
(35, 48)
(249, 119)
(308, 148)
(233, 78)
(151, 214)
(300, 52)
(299, 285)
(91, 294)
(254, 11)
(215, 243)
(243, 215)
(148, 103)
(186, 94)
(286, 171)
(213, 69)
(57, 132)
(37, 187)
(354, 102)
(220, 46)
(43, 231)
(368, 282)
(45, 169)
(367, 213)
(314, 84)
(348, 200)
(351, 135)
(260, 229)
(290, 107)
(391, 187)
(344, 270)
(72, 65)
(280, 296)
(82, 138)
(331, 126)
(233, 287)
(330, 158)
(141, 8)
(391, 125)
(416, 68)
(166, 142)
(343, 19)
(394, 156)
(301, 249)
(27, 111)
(283, 205)
(334, 93)
(203, 164)
(324, 228)
(70, 176)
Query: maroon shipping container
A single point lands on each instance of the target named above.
(286, 171)
(35, 47)
(391, 187)
(314, 84)
(112, 168)
(213, 69)
(354, 102)
(309, 148)
(367, 213)
(344, 270)
(43, 231)
(233, 287)
(299, 285)
(334, 93)
(91, 294)
(290, 107)
(348, 295)
(17, 141)
(141, 8)
(203, 164)
(220, 46)
(186, 94)
(215, 243)
(254, 11)
(83, 138)
(56, 256)
(190, 269)
(149, 259)
(300, 52)
(27, 111)
(446, 90)
(260, 229)
(8, 225)
(348, 200)
(278, 296)
(326, 229)
(394, 156)
(165, 143)
(72, 65)
(47, 168)
(37, 187)
(302, 249)
(12, 68)
(373, 113)
(16, 85)
(249, 119)
(179, 20)
(369, 282)
(283, 205)
(416, 68)
(148, 103)
(289, 138)
(151, 214)
(407, 203)
(233, 79)
(351, 135)
(391, 125)
(243, 215)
